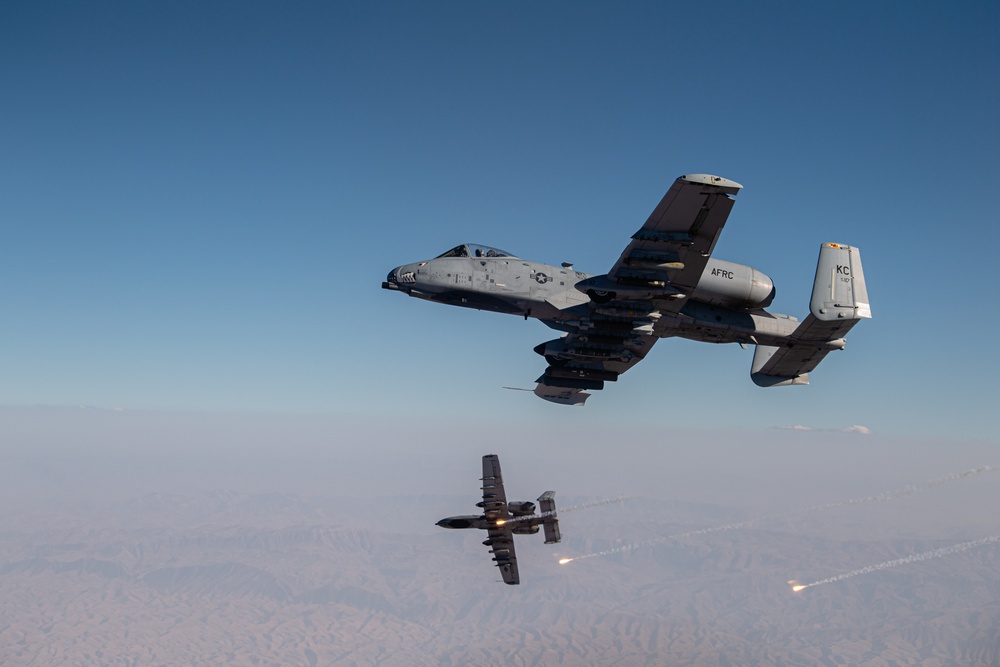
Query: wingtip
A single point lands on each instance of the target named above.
(709, 179)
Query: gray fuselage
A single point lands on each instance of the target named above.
(726, 307)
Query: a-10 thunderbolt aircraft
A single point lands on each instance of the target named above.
(502, 520)
(665, 283)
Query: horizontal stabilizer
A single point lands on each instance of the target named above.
(767, 374)
(839, 301)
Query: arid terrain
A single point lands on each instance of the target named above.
(227, 578)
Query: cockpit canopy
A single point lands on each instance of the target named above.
(474, 250)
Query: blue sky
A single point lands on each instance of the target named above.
(200, 200)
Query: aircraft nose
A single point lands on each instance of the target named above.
(402, 278)
(392, 280)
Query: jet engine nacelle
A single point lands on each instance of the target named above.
(522, 508)
(733, 286)
(525, 530)
(721, 284)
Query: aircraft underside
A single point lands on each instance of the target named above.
(695, 321)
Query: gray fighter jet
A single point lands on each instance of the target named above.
(664, 284)
(502, 520)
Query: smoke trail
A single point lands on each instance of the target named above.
(571, 508)
(595, 503)
(899, 493)
(658, 540)
(877, 498)
(935, 553)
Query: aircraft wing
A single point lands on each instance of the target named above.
(494, 497)
(586, 360)
(674, 244)
(501, 539)
(501, 543)
(667, 257)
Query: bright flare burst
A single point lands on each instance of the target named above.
(563, 561)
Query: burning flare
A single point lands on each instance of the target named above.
(563, 561)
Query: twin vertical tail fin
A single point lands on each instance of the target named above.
(839, 301)
(547, 505)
